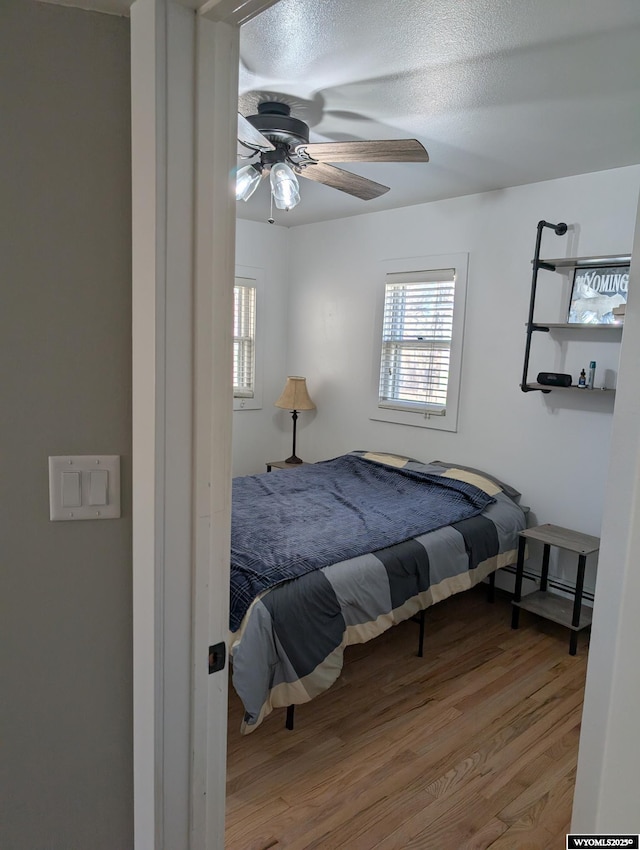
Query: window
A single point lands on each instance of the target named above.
(247, 294)
(244, 338)
(421, 342)
(416, 340)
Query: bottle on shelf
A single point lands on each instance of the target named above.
(582, 380)
(592, 374)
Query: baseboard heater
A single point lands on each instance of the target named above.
(554, 583)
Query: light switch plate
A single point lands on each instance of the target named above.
(99, 496)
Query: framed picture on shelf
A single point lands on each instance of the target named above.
(596, 293)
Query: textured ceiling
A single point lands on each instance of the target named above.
(500, 92)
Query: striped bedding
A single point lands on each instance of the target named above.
(284, 526)
(290, 644)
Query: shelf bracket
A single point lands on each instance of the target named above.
(559, 229)
(527, 388)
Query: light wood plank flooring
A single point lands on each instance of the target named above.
(473, 746)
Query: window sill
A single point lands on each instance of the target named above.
(417, 419)
(247, 404)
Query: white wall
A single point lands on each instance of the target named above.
(264, 434)
(319, 321)
(554, 448)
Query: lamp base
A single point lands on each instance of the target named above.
(294, 459)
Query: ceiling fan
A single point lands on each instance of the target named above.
(282, 149)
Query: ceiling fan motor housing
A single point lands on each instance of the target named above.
(274, 121)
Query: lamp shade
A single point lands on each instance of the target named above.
(294, 395)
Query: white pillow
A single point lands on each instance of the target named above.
(390, 460)
(479, 481)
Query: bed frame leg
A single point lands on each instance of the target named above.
(289, 720)
(421, 638)
(491, 593)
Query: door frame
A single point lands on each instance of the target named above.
(184, 106)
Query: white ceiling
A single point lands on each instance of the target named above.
(500, 92)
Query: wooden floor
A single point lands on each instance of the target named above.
(473, 746)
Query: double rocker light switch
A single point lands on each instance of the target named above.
(84, 487)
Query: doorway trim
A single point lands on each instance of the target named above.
(184, 65)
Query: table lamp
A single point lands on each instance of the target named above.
(294, 398)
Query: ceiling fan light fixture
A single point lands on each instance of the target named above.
(247, 179)
(284, 186)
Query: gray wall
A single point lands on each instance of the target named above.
(65, 387)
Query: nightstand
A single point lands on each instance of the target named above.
(549, 605)
(282, 464)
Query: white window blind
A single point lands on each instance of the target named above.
(416, 340)
(244, 338)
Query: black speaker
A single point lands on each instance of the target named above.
(554, 379)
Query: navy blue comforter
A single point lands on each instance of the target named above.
(286, 524)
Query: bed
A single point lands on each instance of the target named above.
(334, 553)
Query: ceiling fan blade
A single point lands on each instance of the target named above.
(347, 182)
(393, 150)
(250, 137)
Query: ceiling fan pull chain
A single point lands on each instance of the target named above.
(271, 218)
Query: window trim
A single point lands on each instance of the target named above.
(256, 276)
(421, 418)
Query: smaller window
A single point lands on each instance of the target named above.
(244, 338)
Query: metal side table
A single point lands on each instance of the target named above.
(550, 605)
